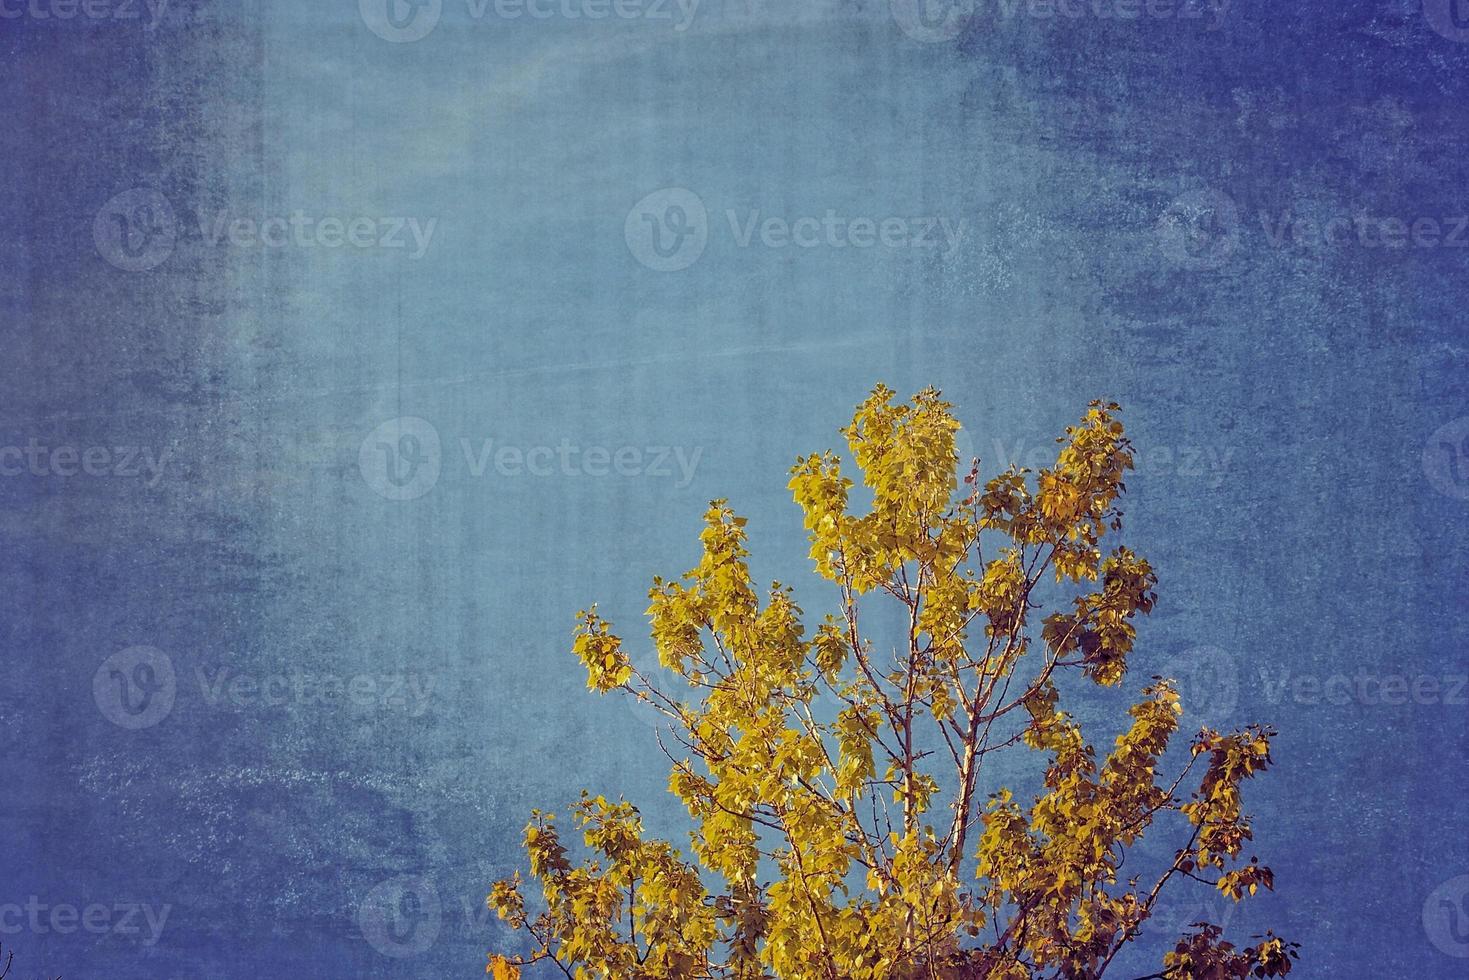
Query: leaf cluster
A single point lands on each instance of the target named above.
(835, 784)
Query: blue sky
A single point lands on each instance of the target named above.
(577, 268)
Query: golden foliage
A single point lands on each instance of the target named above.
(833, 788)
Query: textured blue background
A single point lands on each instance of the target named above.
(1283, 395)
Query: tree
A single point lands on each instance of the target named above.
(834, 781)
(9, 956)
